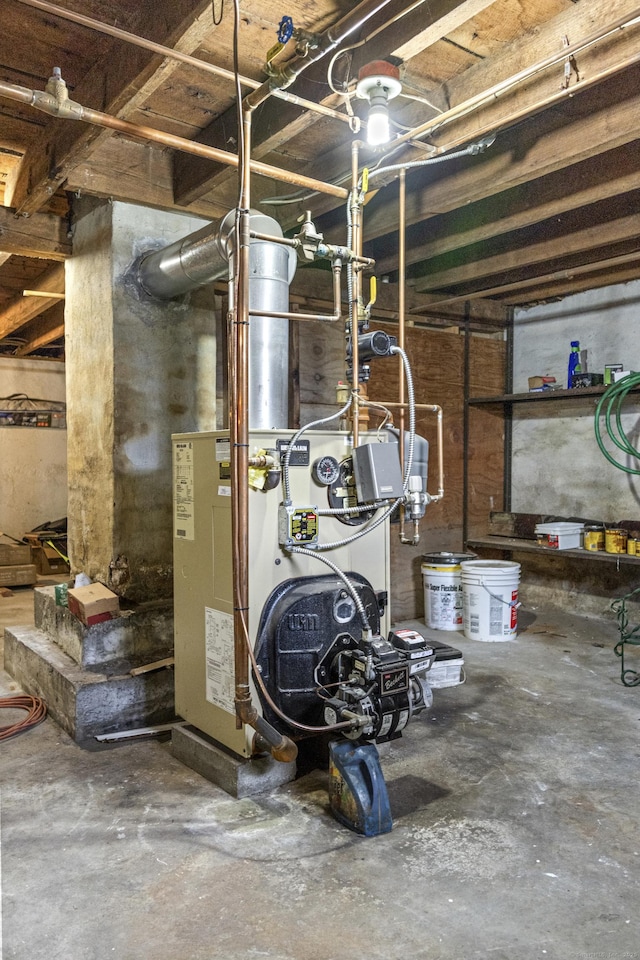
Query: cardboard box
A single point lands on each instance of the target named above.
(47, 561)
(93, 603)
(535, 383)
(20, 575)
(12, 554)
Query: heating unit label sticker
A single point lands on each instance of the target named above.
(218, 631)
(223, 449)
(183, 519)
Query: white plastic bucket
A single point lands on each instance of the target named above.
(490, 599)
(443, 590)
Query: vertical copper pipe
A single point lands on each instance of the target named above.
(402, 257)
(354, 306)
(402, 260)
(239, 434)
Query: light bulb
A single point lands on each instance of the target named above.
(378, 131)
(378, 82)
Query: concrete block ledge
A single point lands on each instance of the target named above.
(85, 704)
(239, 777)
(138, 636)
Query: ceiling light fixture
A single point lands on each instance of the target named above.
(378, 82)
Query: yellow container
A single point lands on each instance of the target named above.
(594, 538)
(633, 546)
(615, 540)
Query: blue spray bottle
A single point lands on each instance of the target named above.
(574, 362)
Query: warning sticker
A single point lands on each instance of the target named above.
(223, 449)
(183, 511)
(220, 686)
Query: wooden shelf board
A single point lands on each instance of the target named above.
(530, 546)
(579, 393)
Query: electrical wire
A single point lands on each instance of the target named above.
(474, 148)
(35, 708)
(286, 484)
(373, 524)
(610, 405)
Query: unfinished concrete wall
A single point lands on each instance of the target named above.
(33, 462)
(139, 370)
(557, 466)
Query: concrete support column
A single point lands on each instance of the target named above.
(137, 371)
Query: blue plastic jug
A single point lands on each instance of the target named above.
(357, 790)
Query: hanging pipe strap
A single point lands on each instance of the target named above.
(630, 678)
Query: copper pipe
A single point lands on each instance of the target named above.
(171, 54)
(356, 290)
(239, 437)
(69, 109)
(326, 42)
(282, 748)
(326, 318)
(402, 210)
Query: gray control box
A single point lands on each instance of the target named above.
(377, 472)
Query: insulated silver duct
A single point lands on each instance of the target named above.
(207, 255)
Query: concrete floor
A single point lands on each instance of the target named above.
(516, 835)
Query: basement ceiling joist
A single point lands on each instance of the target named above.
(550, 207)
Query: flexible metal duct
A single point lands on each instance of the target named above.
(207, 255)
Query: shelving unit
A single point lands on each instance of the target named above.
(506, 544)
(513, 544)
(544, 396)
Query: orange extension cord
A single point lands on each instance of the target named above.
(36, 712)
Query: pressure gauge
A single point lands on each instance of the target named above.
(325, 470)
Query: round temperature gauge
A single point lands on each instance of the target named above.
(325, 470)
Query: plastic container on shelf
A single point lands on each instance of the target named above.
(574, 362)
(560, 535)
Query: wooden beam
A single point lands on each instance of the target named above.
(116, 84)
(313, 284)
(500, 113)
(580, 241)
(43, 331)
(43, 235)
(521, 288)
(278, 122)
(604, 177)
(576, 23)
(21, 310)
(135, 173)
(575, 131)
(417, 31)
(572, 283)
